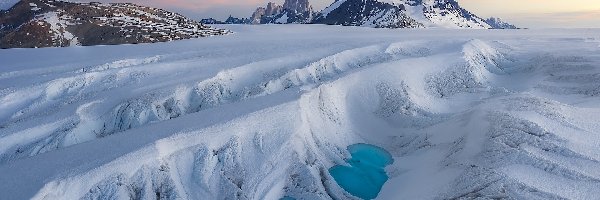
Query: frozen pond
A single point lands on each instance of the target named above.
(366, 174)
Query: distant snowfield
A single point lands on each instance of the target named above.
(265, 112)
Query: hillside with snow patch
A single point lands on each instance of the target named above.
(49, 23)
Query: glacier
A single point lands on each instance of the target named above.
(265, 112)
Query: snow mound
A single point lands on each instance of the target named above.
(480, 63)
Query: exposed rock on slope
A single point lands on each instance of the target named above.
(46, 23)
(498, 23)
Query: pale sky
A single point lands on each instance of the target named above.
(539, 13)
(523, 13)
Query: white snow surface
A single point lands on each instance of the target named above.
(265, 112)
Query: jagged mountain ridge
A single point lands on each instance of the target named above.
(46, 23)
(292, 12)
(383, 14)
(270, 9)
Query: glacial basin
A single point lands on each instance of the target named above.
(365, 173)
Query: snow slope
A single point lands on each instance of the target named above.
(265, 112)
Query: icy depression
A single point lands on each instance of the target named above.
(266, 112)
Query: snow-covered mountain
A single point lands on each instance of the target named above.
(48, 23)
(371, 13)
(267, 112)
(497, 23)
(400, 14)
(292, 12)
(443, 13)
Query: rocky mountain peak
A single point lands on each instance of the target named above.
(261, 12)
(400, 14)
(292, 11)
(257, 15)
(273, 9)
(297, 6)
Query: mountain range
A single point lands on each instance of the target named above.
(378, 14)
(50, 23)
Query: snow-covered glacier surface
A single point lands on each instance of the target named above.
(265, 113)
